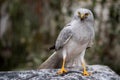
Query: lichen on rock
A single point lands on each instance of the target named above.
(98, 72)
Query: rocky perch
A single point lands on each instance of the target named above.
(99, 72)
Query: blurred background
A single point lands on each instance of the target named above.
(29, 27)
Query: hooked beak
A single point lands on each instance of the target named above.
(82, 16)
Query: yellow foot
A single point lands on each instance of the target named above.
(61, 71)
(85, 73)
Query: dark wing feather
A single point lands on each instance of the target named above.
(51, 48)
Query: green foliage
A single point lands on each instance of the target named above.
(23, 25)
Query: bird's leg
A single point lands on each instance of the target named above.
(63, 70)
(85, 73)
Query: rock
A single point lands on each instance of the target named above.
(99, 72)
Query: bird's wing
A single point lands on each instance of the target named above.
(64, 36)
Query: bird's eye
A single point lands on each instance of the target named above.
(86, 14)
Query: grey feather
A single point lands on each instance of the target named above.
(55, 61)
(63, 38)
(74, 39)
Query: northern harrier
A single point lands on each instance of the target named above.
(72, 42)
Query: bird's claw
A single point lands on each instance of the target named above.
(85, 73)
(61, 71)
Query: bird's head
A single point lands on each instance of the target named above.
(83, 14)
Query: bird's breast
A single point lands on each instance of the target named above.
(74, 49)
(81, 35)
(79, 40)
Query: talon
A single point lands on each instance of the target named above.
(62, 71)
(85, 73)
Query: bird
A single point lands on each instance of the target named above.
(72, 42)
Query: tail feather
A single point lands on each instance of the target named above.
(54, 61)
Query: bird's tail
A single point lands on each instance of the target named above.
(54, 61)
